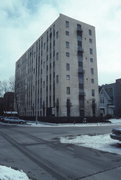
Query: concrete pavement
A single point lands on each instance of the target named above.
(40, 154)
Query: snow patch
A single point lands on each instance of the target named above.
(115, 121)
(46, 124)
(67, 125)
(7, 173)
(100, 142)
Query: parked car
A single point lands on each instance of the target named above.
(116, 134)
(15, 120)
(1, 118)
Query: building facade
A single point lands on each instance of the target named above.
(107, 101)
(110, 99)
(1, 105)
(57, 75)
(8, 101)
(118, 97)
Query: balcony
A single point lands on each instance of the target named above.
(80, 48)
(81, 93)
(79, 31)
(81, 71)
(80, 58)
(81, 81)
(79, 38)
(80, 51)
(81, 107)
(81, 103)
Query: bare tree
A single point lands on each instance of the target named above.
(12, 84)
(7, 86)
(1, 89)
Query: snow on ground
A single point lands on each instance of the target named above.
(7, 173)
(115, 121)
(100, 142)
(45, 124)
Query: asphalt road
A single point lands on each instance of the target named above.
(39, 153)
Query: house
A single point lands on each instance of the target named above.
(110, 99)
(106, 103)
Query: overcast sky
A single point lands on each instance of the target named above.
(23, 21)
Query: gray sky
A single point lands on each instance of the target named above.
(23, 21)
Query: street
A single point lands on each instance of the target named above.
(38, 152)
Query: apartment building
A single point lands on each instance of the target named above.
(57, 75)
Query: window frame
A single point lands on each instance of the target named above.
(67, 54)
(67, 24)
(68, 92)
(67, 33)
(67, 67)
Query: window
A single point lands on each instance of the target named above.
(47, 58)
(50, 55)
(92, 71)
(57, 56)
(78, 26)
(44, 64)
(53, 31)
(67, 77)
(53, 53)
(92, 81)
(80, 43)
(67, 54)
(68, 67)
(80, 64)
(44, 45)
(102, 100)
(91, 59)
(93, 92)
(79, 31)
(67, 33)
(90, 40)
(47, 36)
(57, 35)
(68, 90)
(80, 75)
(53, 64)
(67, 24)
(50, 66)
(43, 84)
(67, 44)
(50, 101)
(54, 43)
(91, 51)
(47, 79)
(57, 79)
(54, 75)
(47, 48)
(81, 86)
(90, 32)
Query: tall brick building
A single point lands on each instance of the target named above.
(57, 75)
